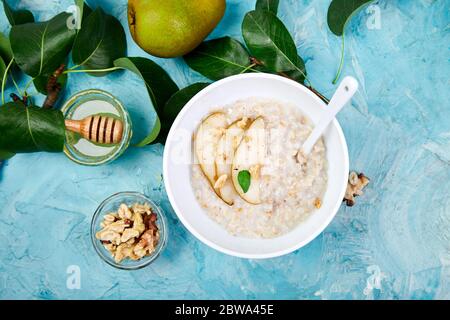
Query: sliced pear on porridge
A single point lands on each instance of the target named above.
(266, 192)
(226, 148)
(247, 162)
(208, 135)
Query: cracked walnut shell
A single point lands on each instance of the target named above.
(355, 186)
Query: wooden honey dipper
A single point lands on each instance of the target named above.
(99, 129)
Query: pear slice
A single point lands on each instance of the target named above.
(226, 148)
(250, 156)
(208, 135)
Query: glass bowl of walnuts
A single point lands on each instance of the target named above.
(128, 230)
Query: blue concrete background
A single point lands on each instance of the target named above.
(395, 243)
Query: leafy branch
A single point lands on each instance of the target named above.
(269, 47)
(27, 128)
(339, 14)
(97, 48)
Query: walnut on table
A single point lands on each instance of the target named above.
(355, 186)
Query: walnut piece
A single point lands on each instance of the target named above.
(109, 217)
(148, 242)
(108, 236)
(138, 222)
(131, 232)
(124, 212)
(300, 158)
(317, 203)
(355, 186)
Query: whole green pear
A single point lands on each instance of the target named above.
(172, 28)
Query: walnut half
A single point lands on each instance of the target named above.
(355, 186)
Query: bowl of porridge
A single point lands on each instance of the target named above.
(235, 173)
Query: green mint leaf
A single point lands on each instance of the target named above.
(244, 179)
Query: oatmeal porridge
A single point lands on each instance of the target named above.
(249, 174)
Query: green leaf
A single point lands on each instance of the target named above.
(40, 82)
(40, 48)
(270, 42)
(17, 17)
(30, 129)
(5, 58)
(154, 136)
(298, 74)
(244, 179)
(219, 58)
(2, 71)
(269, 5)
(84, 10)
(5, 155)
(5, 48)
(159, 85)
(178, 100)
(100, 42)
(340, 13)
(174, 106)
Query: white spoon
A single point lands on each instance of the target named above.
(343, 94)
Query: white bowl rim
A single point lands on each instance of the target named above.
(177, 210)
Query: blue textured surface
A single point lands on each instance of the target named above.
(395, 243)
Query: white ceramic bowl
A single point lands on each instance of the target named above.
(178, 159)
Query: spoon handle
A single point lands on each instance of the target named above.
(343, 94)
(99, 129)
